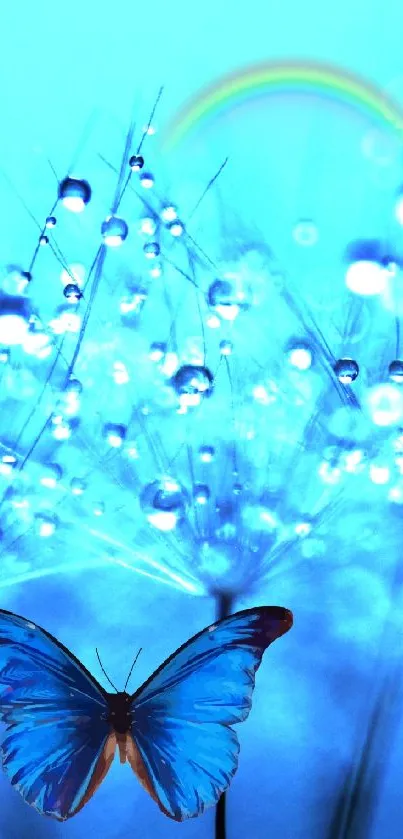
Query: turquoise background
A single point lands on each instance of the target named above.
(72, 77)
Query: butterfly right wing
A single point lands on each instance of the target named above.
(184, 749)
(58, 746)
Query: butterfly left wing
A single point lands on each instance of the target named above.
(58, 745)
(186, 751)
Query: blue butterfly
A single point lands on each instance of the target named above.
(62, 727)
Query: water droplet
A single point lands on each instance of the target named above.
(115, 434)
(61, 427)
(226, 347)
(74, 194)
(77, 486)
(175, 228)
(51, 475)
(156, 270)
(396, 371)
(201, 494)
(147, 226)
(114, 231)
(157, 350)
(45, 525)
(72, 293)
(206, 454)
(299, 355)
(228, 298)
(192, 383)
(164, 503)
(168, 213)
(151, 250)
(73, 387)
(136, 162)
(147, 180)
(346, 370)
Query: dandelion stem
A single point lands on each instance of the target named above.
(224, 608)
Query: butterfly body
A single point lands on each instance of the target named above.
(175, 731)
(120, 719)
(120, 715)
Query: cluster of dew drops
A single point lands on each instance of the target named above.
(165, 499)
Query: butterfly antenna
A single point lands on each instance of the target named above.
(104, 671)
(131, 669)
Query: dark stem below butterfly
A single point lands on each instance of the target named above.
(224, 608)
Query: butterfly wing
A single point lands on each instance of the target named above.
(182, 716)
(58, 745)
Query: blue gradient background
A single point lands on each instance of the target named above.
(72, 76)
